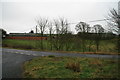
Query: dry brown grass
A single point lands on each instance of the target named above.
(75, 66)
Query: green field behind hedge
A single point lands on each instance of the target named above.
(106, 46)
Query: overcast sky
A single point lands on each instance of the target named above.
(19, 16)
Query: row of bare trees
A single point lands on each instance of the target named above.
(93, 34)
(57, 26)
(61, 38)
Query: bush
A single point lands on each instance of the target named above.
(51, 56)
(75, 66)
(28, 74)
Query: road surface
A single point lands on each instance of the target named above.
(12, 60)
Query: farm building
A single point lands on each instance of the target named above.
(26, 36)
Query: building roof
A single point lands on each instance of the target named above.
(26, 34)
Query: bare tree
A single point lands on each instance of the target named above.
(114, 21)
(66, 34)
(42, 25)
(82, 28)
(98, 29)
(64, 25)
(51, 32)
(61, 28)
(57, 31)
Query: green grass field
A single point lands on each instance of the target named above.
(106, 46)
(22, 44)
(71, 67)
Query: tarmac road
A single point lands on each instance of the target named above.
(12, 64)
(12, 60)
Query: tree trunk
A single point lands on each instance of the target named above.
(83, 45)
(97, 45)
(41, 41)
(118, 43)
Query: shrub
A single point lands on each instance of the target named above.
(51, 56)
(27, 47)
(28, 74)
(75, 66)
(4, 45)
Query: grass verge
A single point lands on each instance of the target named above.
(71, 67)
(33, 45)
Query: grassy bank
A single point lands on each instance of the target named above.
(67, 67)
(106, 46)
